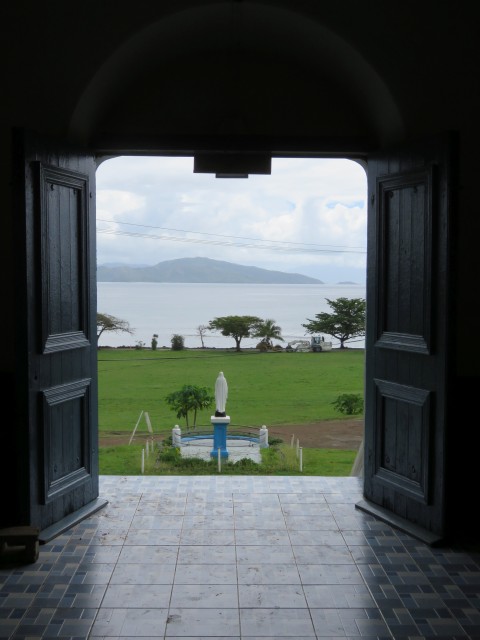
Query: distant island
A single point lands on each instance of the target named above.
(199, 270)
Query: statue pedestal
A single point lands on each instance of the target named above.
(220, 436)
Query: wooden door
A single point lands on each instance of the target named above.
(407, 337)
(56, 348)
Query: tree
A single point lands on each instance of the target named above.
(268, 331)
(178, 342)
(347, 321)
(106, 322)
(189, 398)
(202, 330)
(238, 327)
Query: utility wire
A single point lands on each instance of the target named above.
(230, 241)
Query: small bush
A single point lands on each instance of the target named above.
(169, 454)
(178, 342)
(349, 404)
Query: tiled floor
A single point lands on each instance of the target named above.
(239, 557)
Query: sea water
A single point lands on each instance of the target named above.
(165, 309)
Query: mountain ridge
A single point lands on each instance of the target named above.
(200, 270)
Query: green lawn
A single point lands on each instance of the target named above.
(277, 460)
(263, 388)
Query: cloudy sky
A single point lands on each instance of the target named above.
(309, 216)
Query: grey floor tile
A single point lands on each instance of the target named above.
(211, 596)
(143, 573)
(149, 537)
(302, 498)
(306, 509)
(309, 538)
(208, 522)
(330, 574)
(205, 637)
(130, 622)
(278, 596)
(311, 523)
(259, 522)
(201, 536)
(83, 596)
(206, 554)
(92, 574)
(206, 622)
(273, 573)
(143, 554)
(206, 574)
(261, 537)
(322, 554)
(277, 623)
(348, 623)
(212, 510)
(102, 554)
(260, 554)
(157, 522)
(135, 596)
(331, 596)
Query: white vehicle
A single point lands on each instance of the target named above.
(316, 344)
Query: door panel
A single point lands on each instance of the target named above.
(407, 329)
(57, 345)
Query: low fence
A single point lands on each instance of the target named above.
(254, 435)
(234, 431)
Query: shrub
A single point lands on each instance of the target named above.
(169, 454)
(349, 403)
(178, 342)
(154, 341)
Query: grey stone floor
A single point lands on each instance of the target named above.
(239, 557)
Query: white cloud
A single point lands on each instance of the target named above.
(318, 204)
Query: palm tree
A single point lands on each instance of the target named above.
(268, 331)
(190, 398)
(202, 399)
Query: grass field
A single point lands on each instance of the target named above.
(263, 388)
(276, 460)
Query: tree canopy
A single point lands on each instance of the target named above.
(106, 322)
(268, 331)
(189, 398)
(237, 327)
(346, 322)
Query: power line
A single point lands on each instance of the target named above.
(230, 241)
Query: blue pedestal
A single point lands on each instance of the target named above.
(220, 437)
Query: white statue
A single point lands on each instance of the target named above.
(221, 393)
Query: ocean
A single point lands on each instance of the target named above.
(170, 308)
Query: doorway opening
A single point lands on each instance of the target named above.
(176, 249)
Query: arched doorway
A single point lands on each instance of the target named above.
(220, 79)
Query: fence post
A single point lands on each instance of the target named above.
(219, 460)
(301, 459)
